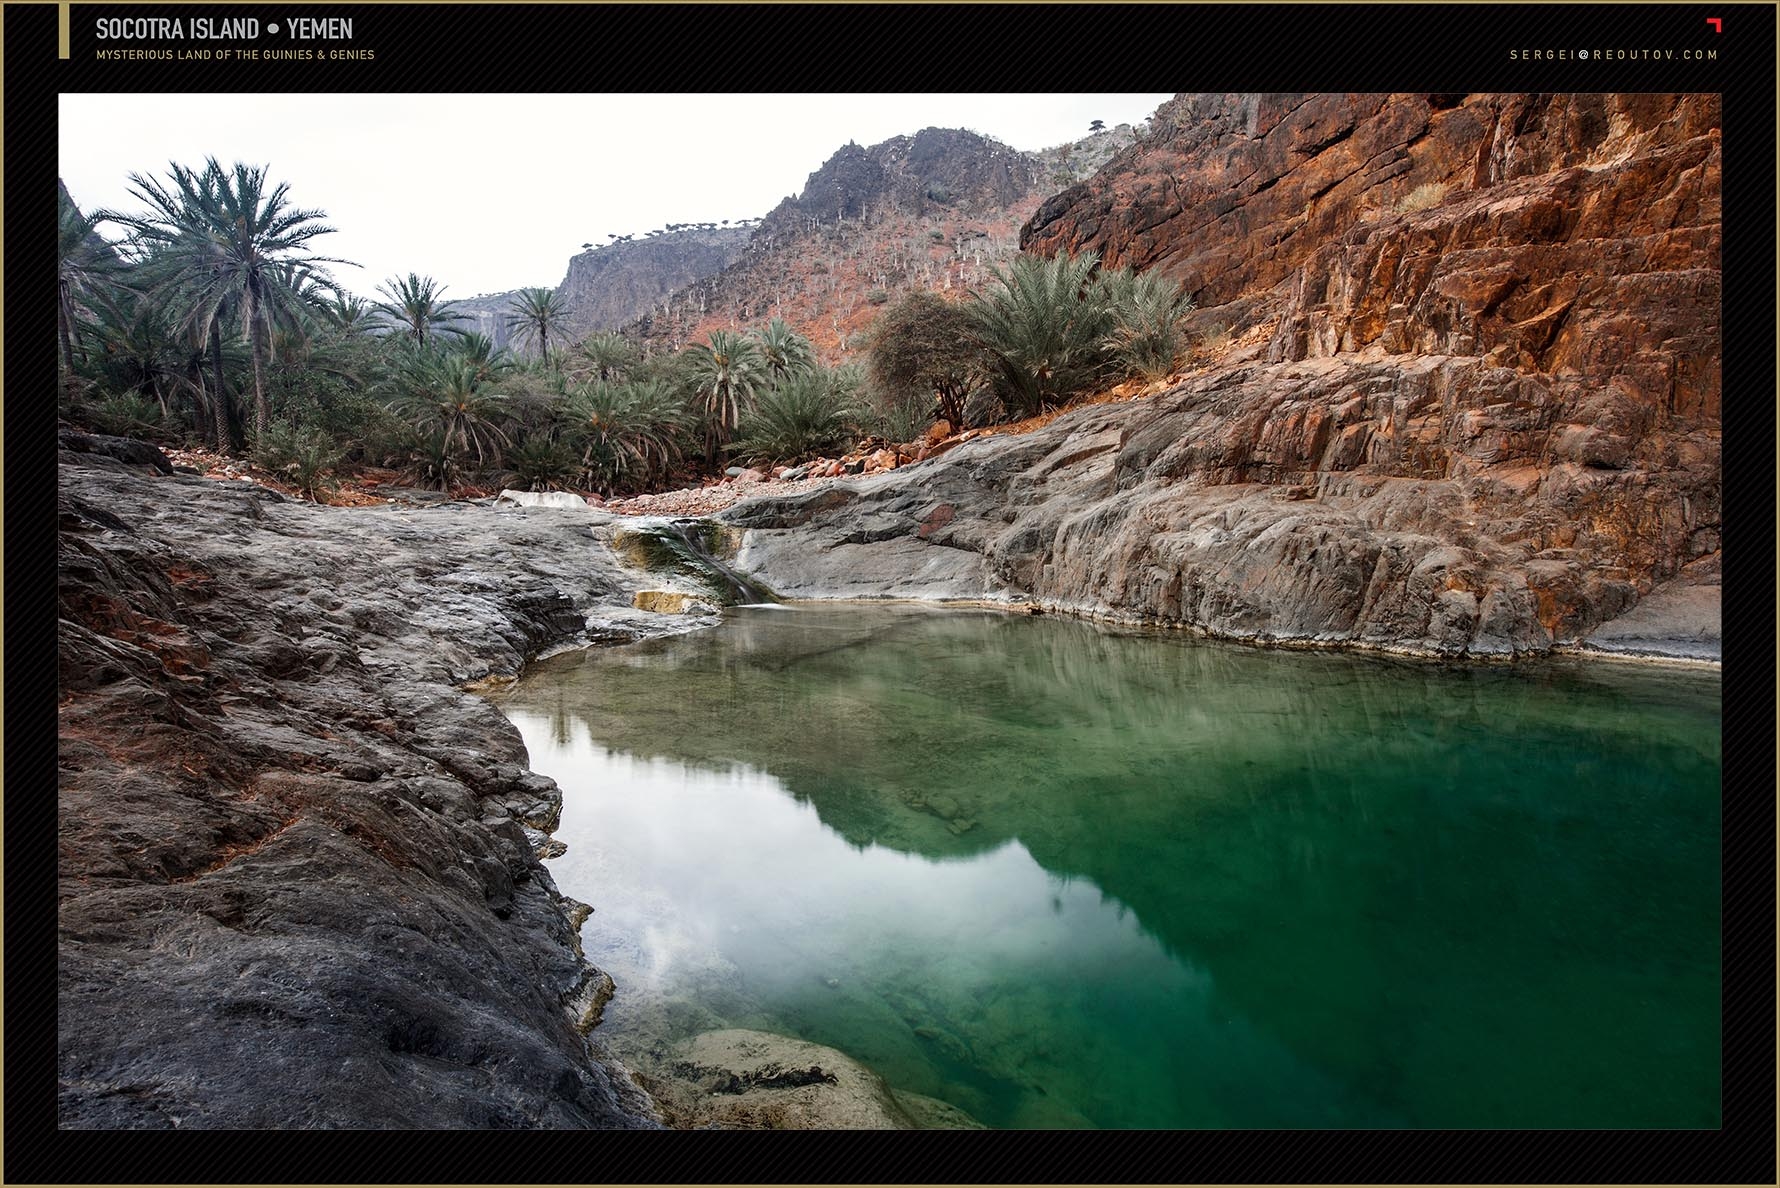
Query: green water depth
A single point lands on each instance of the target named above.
(1063, 875)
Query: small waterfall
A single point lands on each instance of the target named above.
(740, 588)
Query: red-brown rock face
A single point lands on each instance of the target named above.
(1570, 243)
(1472, 403)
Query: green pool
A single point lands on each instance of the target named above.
(1063, 875)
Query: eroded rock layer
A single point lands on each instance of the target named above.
(1471, 403)
(297, 880)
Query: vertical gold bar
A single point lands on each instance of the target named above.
(62, 29)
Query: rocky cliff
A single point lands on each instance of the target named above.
(933, 210)
(486, 315)
(297, 879)
(608, 287)
(1471, 405)
(612, 286)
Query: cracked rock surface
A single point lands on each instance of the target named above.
(297, 880)
(1470, 405)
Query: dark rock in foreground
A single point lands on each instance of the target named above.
(296, 883)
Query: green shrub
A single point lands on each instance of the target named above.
(1147, 309)
(541, 463)
(125, 415)
(1043, 324)
(897, 416)
(302, 457)
(878, 296)
(626, 435)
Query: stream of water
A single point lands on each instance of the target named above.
(1062, 875)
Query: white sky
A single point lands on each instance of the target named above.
(491, 192)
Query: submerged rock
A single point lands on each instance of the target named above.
(755, 1080)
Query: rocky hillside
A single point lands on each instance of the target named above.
(611, 286)
(934, 210)
(1470, 405)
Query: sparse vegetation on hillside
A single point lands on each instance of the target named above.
(1422, 197)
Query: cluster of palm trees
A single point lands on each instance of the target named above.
(598, 417)
(214, 320)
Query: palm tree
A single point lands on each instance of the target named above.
(137, 351)
(785, 351)
(85, 265)
(533, 314)
(163, 273)
(227, 240)
(608, 354)
(810, 412)
(626, 431)
(443, 395)
(1147, 310)
(351, 316)
(487, 360)
(727, 372)
(1043, 326)
(418, 305)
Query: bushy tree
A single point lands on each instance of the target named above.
(927, 347)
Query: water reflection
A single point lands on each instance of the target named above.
(1060, 875)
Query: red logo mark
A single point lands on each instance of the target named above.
(1717, 24)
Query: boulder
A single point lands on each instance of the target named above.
(127, 450)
